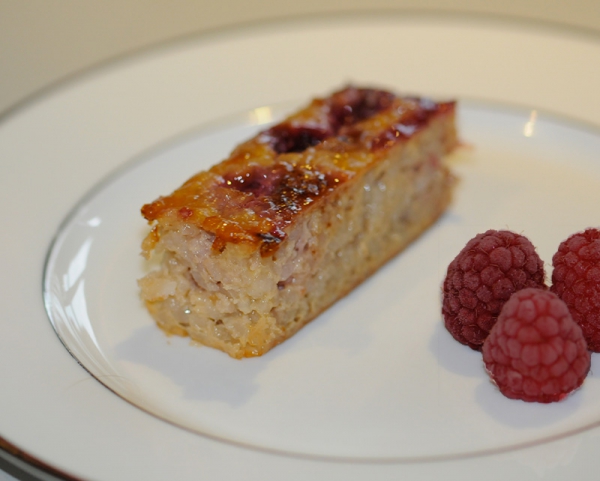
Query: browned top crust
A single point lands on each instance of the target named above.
(252, 196)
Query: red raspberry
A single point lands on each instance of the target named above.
(481, 279)
(576, 280)
(536, 352)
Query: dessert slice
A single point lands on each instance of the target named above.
(260, 244)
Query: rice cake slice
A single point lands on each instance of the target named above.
(260, 244)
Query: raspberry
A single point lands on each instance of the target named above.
(576, 280)
(480, 280)
(536, 351)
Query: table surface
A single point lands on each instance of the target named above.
(42, 43)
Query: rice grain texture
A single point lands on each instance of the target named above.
(259, 245)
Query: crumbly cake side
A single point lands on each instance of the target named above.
(260, 244)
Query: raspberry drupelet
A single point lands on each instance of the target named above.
(576, 280)
(536, 352)
(486, 272)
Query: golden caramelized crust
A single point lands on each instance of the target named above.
(254, 195)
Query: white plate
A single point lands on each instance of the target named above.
(375, 387)
(418, 387)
